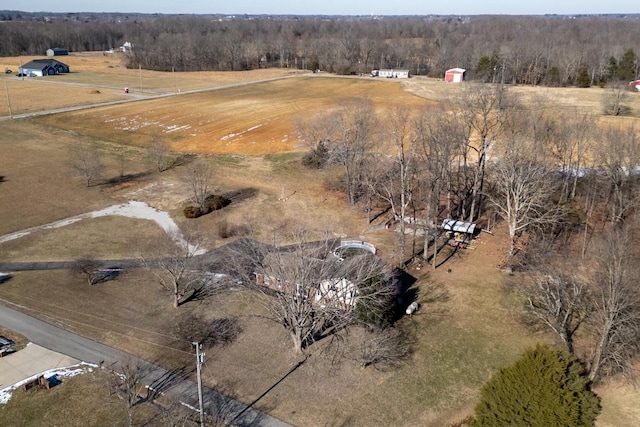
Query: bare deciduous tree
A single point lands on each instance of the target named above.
(615, 321)
(308, 290)
(484, 108)
(522, 191)
(126, 383)
(618, 161)
(383, 347)
(441, 142)
(570, 147)
(199, 177)
(122, 156)
(557, 298)
(94, 270)
(85, 162)
(178, 269)
(209, 332)
(315, 135)
(397, 185)
(161, 155)
(615, 101)
(89, 268)
(176, 415)
(353, 127)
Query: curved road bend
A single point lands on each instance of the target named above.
(173, 383)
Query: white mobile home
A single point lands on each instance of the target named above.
(391, 74)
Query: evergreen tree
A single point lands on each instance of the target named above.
(545, 387)
(583, 80)
(375, 308)
(552, 77)
(627, 66)
(486, 68)
(613, 68)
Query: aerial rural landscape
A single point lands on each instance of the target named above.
(319, 221)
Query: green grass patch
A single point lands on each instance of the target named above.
(229, 160)
(282, 157)
(282, 161)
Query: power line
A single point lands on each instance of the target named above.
(71, 321)
(127, 325)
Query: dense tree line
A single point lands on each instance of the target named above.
(551, 50)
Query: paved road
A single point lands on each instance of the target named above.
(64, 265)
(174, 383)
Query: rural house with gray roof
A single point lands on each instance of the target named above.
(43, 67)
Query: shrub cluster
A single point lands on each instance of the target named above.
(191, 211)
(213, 202)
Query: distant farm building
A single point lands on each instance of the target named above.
(391, 74)
(57, 51)
(634, 85)
(454, 75)
(126, 47)
(43, 67)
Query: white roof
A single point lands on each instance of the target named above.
(456, 70)
(459, 226)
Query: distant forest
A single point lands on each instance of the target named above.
(534, 50)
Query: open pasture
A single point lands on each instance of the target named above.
(582, 100)
(253, 119)
(96, 78)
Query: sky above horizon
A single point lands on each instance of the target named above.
(333, 7)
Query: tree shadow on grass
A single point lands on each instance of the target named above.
(435, 292)
(246, 415)
(433, 297)
(167, 381)
(183, 159)
(123, 179)
(224, 409)
(241, 194)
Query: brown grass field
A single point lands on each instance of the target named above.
(466, 329)
(246, 120)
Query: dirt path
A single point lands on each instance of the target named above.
(132, 209)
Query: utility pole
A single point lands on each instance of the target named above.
(6, 88)
(199, 362)
(173, 73)
(140, 72)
